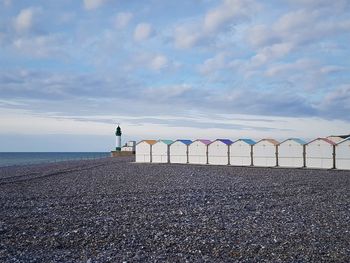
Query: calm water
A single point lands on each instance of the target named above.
(7, 159)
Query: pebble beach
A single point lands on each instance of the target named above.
(116, 210)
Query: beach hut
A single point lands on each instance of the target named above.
(241, 152)
(319, 153)
(160, 151)
(265, 153)
(198, 152)
(342, 154)
(179, 151)
(291, 153)
(335, 139)
(218, 152)
(143, 151)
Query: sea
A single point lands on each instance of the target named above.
(24, 158)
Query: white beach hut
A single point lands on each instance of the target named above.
(160, 151)
(265, 153)
(143, 151)
(179, 151)
(342, 154)
(241, 152)
(319, 153)
(198, 152)
(291, 153)
(218, 152)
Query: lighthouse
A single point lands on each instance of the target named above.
(118, 133)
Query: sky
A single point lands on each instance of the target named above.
(70, 70)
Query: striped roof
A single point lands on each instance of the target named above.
(150, 142)
(344, 136)
(273, 141)
(187, 142)
(297, 140)
(206, 142)
(247, 141)
(225, 141)
(323, 139)
(346, 139)
(335, 139)
(168, 142)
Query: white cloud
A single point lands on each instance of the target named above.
(304, 65)
(306, 75)
(297, 28)
(7, 3)
(293, 26)
(331, 69)
(143, 31)
(336, 103)
(67, 17)
(93, 4)
(222, 14)
(260, 35)
(295, 20)
(159, 62)
(185, 37)
(292, 32)
(44, 124)
(269, 53)
(213, 64)
(341, 93)
(290, 27)
(336, 5)
(24, 20)
(154, 62)
(40, 46)
(214, 21)
(122, 19)
(167, 92)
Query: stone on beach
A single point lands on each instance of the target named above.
(114, 210)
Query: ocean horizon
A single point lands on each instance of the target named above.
(25, 158)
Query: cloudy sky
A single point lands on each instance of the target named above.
(71, 69)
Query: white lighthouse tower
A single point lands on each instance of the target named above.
(118, 133)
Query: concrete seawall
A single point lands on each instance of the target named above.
(120, 153)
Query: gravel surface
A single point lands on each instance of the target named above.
(114, 210)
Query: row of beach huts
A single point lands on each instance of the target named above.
(324, 153)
